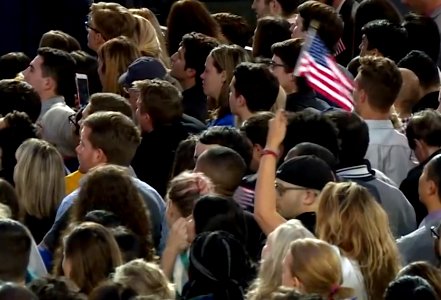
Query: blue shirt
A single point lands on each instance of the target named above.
(152, 199)
(227, 120)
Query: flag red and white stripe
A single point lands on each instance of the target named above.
(322, 73)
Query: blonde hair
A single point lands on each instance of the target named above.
(317, 266)
(145, 37)
(149, 15)
(39, 178)
(116, 55)
(269, 277)
(144, 278)
(350, 218)
(112, 20)
(225, 59)
(186, 188)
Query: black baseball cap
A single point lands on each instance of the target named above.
(143, 68)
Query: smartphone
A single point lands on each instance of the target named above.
(82, 89)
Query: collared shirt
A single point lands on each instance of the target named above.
(46, 105)
(388, 150)
(400, 212)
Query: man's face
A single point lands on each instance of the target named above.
(34, 74)
(261, 8)
(88, 156)
(357, 96)
(178, 64)
(297, 30)
(232, 97)
(94, 37)
(289, 199)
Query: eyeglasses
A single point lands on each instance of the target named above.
(87, 24)
(129, 90)
(273, 64)
(281, 189)
(435, 231)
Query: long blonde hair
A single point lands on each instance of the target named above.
(269, 277)
(145, 37)
(39, 178)
(225, 59)
(350, 218)
(115, 56)
(317, 266)
(149, 15)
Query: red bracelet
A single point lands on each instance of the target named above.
(267, 151)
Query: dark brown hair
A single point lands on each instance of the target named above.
(111, 188)
(426, 271)
(59, 40)
(109, 102)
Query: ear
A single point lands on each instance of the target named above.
(191, 73)
(223, 75)
(99, 39)
(241, 101)
(49, 83)
(309, 198)
(100, 156)
(432, 188)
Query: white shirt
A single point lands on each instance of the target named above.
(388, 150)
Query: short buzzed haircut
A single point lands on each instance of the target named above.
(224, 166)
(257, 84)
(381, 80)
(161, 100)
(14, 251)
(109, 102)
(115, 134)
(315, 150)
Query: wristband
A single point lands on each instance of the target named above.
(267, 151)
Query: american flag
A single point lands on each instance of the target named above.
(321, 71)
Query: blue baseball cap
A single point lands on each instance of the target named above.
(143, 68)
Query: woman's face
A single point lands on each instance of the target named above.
(212, 80)
(297, 28)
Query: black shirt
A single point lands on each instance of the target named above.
(195, 103)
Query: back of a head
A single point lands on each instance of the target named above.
(409, 93)
(331, 25)
(13, 63)
(103, 217)
(229, 137)
(52, 288)
(235, 28)
(424, 126)
(306, 126)
(388, 38)
(129, 243)
(145, 278)
(213, 213)
(370, 10)
(219, 264)
(161, 101)
(353, 134)
(115, 134)
(313, 149)
(20, 96)
(112, 291)
(423, 34)
(109, 102)
(409, 287)
(380, 79)
(14, 291)
(15, 250)
(426, 271)
(224, 166)
(292, 294)
(187, 16)
(59, 40)
(423, 67)
(256, 128)
(434, 171)
(257, 84)
(269, 30)
(60, 66)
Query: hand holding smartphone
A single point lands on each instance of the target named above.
(82, 83)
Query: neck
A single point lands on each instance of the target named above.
(430, 150)
(290, 89)
(47, 95)
(187, 83)
(373, 115)
(433, 205)
(243, 116)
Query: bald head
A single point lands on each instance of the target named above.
(409, 94)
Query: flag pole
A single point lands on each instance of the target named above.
(312, 31)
